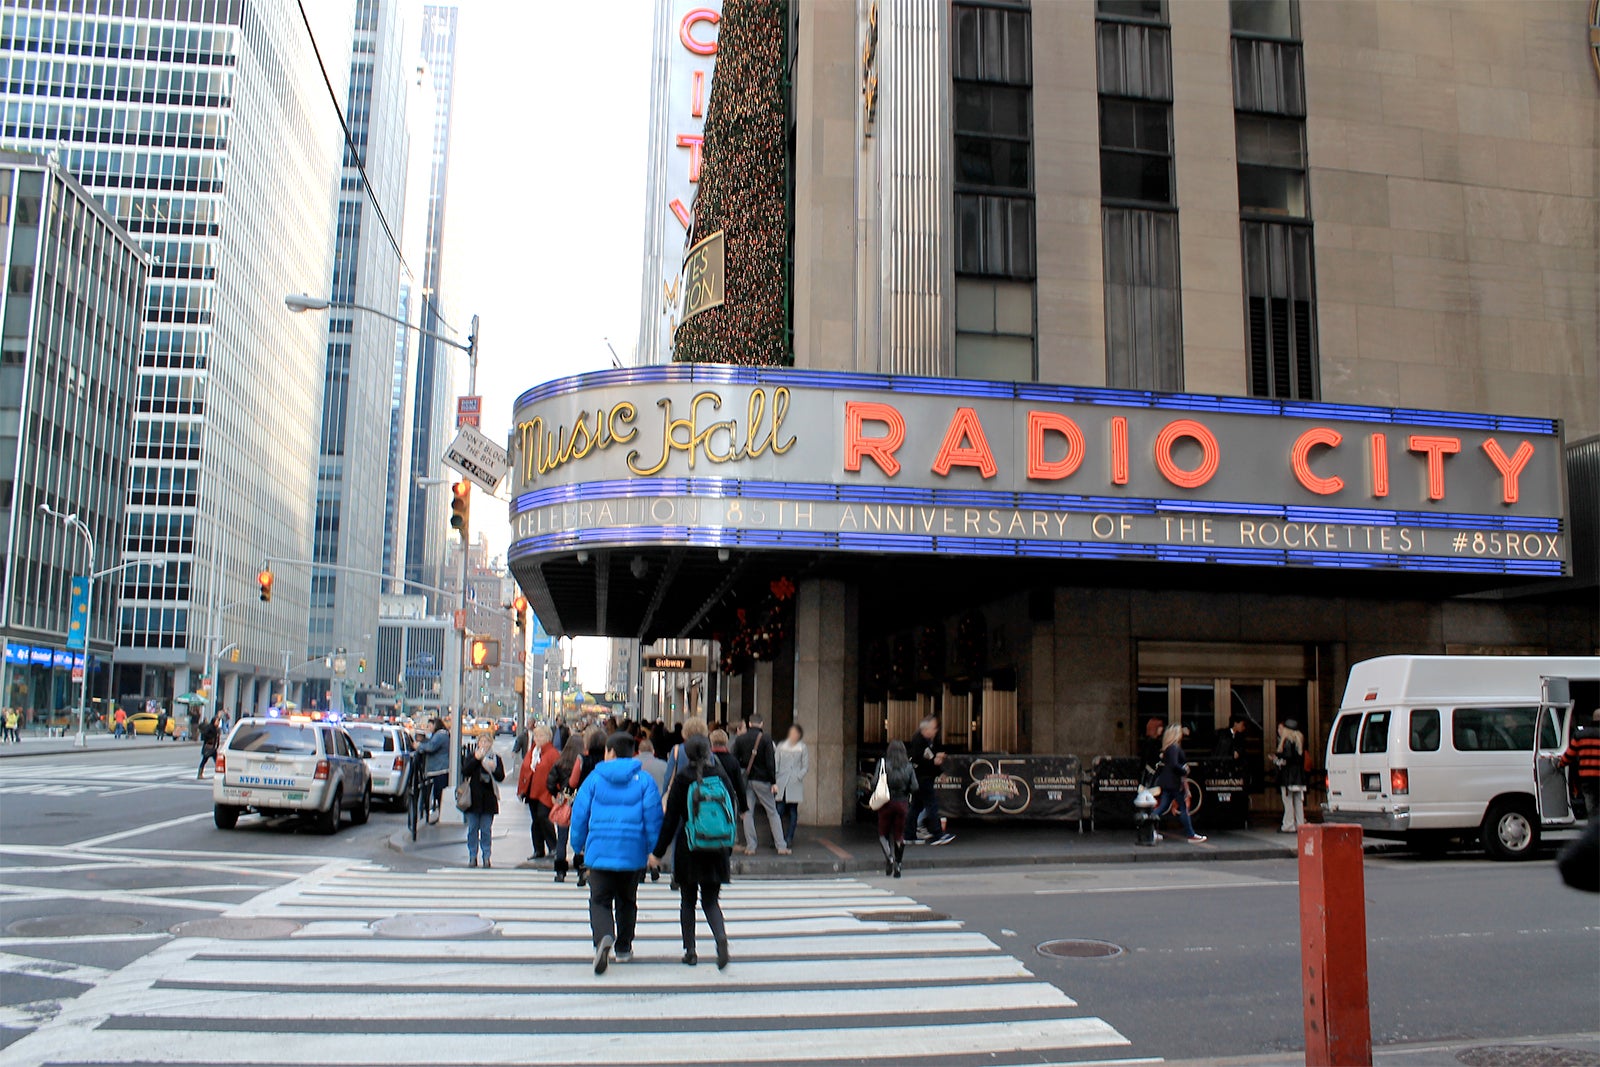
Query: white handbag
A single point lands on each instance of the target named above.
(880, 792)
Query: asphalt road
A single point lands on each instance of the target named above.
(104, 852)
(1460, 948)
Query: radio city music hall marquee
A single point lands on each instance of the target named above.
(719, 456)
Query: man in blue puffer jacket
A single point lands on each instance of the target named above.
(615, 819)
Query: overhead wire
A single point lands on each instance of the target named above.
(361, 163)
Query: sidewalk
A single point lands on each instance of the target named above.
(1545, 1051)
(854, 849)
(39, 745)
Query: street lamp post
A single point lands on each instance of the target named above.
(299, 302)
(71, 521)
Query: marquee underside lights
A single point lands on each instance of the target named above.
(725, 457)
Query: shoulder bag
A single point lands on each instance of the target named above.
(880, 792)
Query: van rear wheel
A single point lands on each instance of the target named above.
(1511, 831)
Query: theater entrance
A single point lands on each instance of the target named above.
(1203, 685)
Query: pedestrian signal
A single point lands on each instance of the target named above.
(460, 505)
(265, 578)
(484, 653)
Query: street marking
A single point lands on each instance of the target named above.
(812, 980)
(601, 1005)
(82, 939)
(139, 831)
(37, 967)
(1088, 890)
(833, 847)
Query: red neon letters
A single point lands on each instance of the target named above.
(1380, 465)
(1055, 448)
(687, 37)
(693, 142)
(1119, 451)
(1299, 460)
(1435, 448)
(1508, 466)
(878, 449)
(1041, 423)
(1210, 453)
(965, 446)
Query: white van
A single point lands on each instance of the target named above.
(1433, 747)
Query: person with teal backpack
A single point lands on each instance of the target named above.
(700, 819)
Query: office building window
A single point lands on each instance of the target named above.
(1144, 347)
(992, 67)
(1144, 327)
(1135, 151)
(994, 324)
(1270, 131)
(1272, 165)
(1281, 306)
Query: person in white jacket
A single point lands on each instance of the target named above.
(794, 763)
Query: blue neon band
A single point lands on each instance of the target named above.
(722, 537)
(730, 488)
(722, 374)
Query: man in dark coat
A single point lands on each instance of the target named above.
(927, 757)
(755, 755)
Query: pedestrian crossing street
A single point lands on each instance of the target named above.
(69, 777)
(815, 979)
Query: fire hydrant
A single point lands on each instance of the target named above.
(1145, 820)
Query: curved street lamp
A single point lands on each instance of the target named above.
(72, 522)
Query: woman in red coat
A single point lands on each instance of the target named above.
(534, 790)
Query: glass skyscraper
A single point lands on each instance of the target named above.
(350, 509)
(433, 409)
(69, 357)
(205, 129)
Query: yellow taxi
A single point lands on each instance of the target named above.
(143, 723)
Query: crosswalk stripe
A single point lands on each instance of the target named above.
(339, 975)
(811, 981)
(598, 1049)
(220, 1006)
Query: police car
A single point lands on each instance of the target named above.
(393, 752)
(291, 765)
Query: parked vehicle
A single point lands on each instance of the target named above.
(291, 766)
(143, 723)
(390, 763)
(507, 726)
(1430, 748)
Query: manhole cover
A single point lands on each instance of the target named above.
(1078, 948)
(432, 926)
(75, 925)
(923, 916)
(237, 929)
(1526, 1056)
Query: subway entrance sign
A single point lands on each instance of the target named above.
(693, 664)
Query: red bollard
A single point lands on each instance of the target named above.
(1333, 946)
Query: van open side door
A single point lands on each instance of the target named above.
(1550, 731)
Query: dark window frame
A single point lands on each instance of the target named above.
(1170, 155)
(1253, 35)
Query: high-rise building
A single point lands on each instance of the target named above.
(350, 509)
(206, 131)
(1153, 363)
(69, 358)
(435, 373)
(421, 108)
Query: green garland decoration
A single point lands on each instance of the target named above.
(742, 191)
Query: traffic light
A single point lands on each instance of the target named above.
(520, 606)
(265, 578)
(460, 505)
(484, 653)
(361, 666)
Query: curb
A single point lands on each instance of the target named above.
(89, 750)
(401, 842)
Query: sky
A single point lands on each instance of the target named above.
(545, 210)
